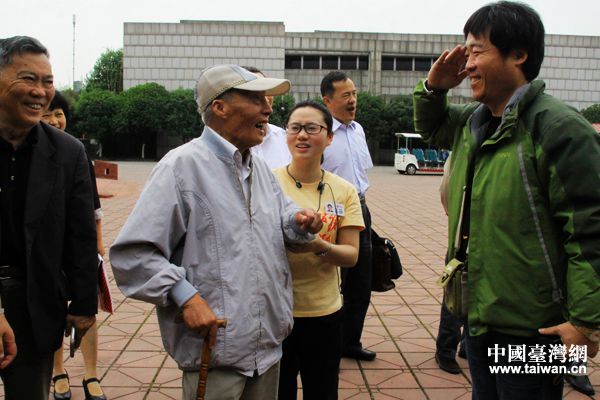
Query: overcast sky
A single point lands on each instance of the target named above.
(100, 22)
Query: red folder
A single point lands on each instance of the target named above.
(104, 298)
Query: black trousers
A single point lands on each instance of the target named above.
(313, 349)
(449, 335)
(492, 349)
(356, 286)
(28, 376)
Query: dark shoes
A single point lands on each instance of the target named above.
(581, 384)
(88, 396)
(359, 353)
(462, 352)
(448, 364)
(65, 395)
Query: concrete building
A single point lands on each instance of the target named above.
(173, 54)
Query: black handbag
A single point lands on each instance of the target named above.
(386, 263)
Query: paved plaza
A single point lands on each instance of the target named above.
(401, 325)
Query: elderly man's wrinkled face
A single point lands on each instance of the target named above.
(245, 118)
(26, 89)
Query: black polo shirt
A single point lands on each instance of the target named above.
(14, 176)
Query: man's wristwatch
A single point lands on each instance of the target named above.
(430, 91)
(322, 253)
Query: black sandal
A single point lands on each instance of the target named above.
(88, 396)
(61, 396)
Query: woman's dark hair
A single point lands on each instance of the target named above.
(511, 26)
(317, 106)
(59, 101)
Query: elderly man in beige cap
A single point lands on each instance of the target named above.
(206, 240)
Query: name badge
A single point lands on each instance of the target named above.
(329, 209)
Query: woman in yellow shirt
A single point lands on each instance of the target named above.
(313, 349)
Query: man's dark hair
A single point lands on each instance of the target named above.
(328, 81)
(317, 106)
(19, 45)
(59, 101)
(511, 26)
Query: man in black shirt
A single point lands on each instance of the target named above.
(47, 230)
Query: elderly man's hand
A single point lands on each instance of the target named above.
(199, 317)
(571, 336)
(8, 346)
(81, 323)
(309, 221)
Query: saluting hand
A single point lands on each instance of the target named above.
(449, 69)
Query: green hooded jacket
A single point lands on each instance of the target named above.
(534, 247)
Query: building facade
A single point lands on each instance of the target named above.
(388, 64)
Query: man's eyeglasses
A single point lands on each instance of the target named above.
(311, 129)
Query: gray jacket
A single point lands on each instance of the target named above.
(192, 230)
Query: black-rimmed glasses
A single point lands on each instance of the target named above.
(311, 129)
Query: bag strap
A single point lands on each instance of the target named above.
(462, 233)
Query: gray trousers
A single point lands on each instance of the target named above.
(228, 384)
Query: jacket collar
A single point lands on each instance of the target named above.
(222, 148)
(518, 103)
(42, 174)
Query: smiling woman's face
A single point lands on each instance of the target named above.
(302, 144)
(56, 118)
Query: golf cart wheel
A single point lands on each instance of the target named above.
(411, 169)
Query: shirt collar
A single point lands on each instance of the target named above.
(221, 147)
(337, 124)
(30, 140)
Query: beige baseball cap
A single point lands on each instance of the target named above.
(214, 81)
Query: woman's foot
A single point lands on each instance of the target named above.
(62, 389)
(92, 389)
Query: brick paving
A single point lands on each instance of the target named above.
(401, 324)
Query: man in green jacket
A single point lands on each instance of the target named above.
(532, 211)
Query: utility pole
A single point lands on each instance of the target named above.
(73, 51)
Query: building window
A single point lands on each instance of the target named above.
(330, 62)
(311, 62)
(422, 64)
(326, 62)
(293, 62)
(363, 63)
(387, 63)
(348, 62)
(403, 63)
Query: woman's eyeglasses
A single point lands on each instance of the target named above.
(311, 129)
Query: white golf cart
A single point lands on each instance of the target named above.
(409, 159)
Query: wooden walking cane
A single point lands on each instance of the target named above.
(205, 360)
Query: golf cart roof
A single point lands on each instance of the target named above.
(409, 135)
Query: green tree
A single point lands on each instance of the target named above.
(107, 73)
(369, 113)
(94, 114)
(398, 115)
(143, 115)
(592, 113)
(281, 107)
(182, 118)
